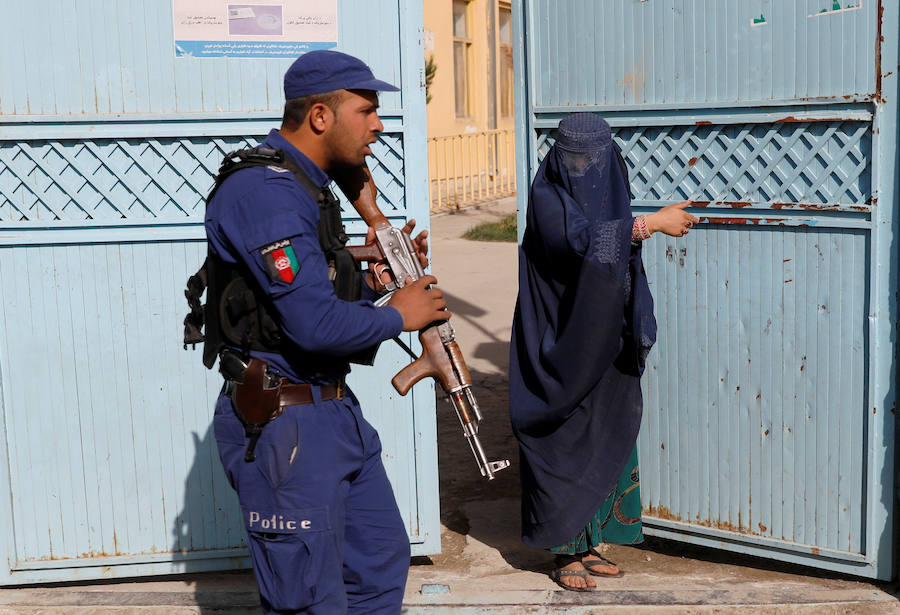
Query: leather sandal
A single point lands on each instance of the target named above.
(600, 561)
(557, 574)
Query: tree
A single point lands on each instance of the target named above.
(430, 70)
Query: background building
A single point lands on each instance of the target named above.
(470, 109)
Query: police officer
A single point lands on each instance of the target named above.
(324, 531)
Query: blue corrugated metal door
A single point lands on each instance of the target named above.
(768, 417)
(107, 146)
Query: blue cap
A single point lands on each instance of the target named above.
(320, 71)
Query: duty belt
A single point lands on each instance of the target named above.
(234, 368)
(296, 394)
(258, 396)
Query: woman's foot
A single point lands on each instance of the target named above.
(599, 566)
(570, 573)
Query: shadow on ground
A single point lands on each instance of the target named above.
(491, 348)
(485, 511)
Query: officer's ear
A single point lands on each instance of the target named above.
(320, 117)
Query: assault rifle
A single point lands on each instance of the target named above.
(441, 359)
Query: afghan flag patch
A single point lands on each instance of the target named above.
(281, 262)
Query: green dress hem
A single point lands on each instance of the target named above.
(618, 520)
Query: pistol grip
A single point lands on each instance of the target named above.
(434, 362)
(412, 373)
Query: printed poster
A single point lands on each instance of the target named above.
(253, 28)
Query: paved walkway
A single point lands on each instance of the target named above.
(479, 281)
(484, 568)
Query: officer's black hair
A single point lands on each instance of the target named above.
(295, 109)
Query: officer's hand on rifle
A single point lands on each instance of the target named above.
(418, 304)
(420, 242)
(379, 274)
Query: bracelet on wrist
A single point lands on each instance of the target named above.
(640, 231)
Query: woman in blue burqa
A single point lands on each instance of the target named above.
(582, 329)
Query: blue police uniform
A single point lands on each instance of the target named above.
(324, 531)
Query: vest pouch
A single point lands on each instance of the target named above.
(237, 315)
(347, 281)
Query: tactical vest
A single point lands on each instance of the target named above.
(237, 313)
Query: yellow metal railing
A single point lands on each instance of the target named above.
(471, 167)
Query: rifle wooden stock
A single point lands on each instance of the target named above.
(359, 187)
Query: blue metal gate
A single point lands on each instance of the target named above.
(107, 146)
(769, 401)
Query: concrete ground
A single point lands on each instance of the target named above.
(483, 567)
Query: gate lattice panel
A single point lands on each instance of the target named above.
(140, 179)
(823, 163)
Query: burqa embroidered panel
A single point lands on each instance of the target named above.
(107, 146)
(768, 419)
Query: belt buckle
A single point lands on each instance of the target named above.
(339, 389)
